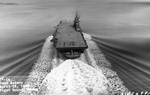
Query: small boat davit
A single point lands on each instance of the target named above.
(68, 38)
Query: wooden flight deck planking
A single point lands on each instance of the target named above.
(69, 37)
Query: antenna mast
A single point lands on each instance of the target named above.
(76, 19)
(76, 22)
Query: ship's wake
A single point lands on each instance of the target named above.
(91, 74)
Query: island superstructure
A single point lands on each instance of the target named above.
(68, 38)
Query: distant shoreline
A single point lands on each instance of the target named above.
(8, 3)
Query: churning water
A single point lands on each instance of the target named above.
(121, 30)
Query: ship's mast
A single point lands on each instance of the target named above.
(76, 21)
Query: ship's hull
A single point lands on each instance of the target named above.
(68, 39)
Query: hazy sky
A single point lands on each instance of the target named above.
(63, 1)
(42, 1)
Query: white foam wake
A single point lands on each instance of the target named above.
(74, 77)
(46, 75)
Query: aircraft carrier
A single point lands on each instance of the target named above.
(68, 38)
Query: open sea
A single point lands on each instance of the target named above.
(121, 30)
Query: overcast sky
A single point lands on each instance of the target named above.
(70, 1)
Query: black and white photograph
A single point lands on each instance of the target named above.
(74, 47)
